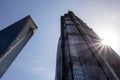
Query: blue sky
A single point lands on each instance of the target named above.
(37, 60)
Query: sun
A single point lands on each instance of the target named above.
(105, 42)
(110, 38)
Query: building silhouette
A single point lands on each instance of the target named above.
(13, 39)
(81, 55)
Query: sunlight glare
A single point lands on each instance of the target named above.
(104, 42)
(110, 39)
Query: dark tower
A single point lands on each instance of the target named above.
(81, 56)
(13, 39)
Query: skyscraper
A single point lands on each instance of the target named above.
(81, 55)
(13, 39)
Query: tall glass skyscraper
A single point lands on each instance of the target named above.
(13, 39)
(81, 55)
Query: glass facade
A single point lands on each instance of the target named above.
(79, 56)
(15, 37)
